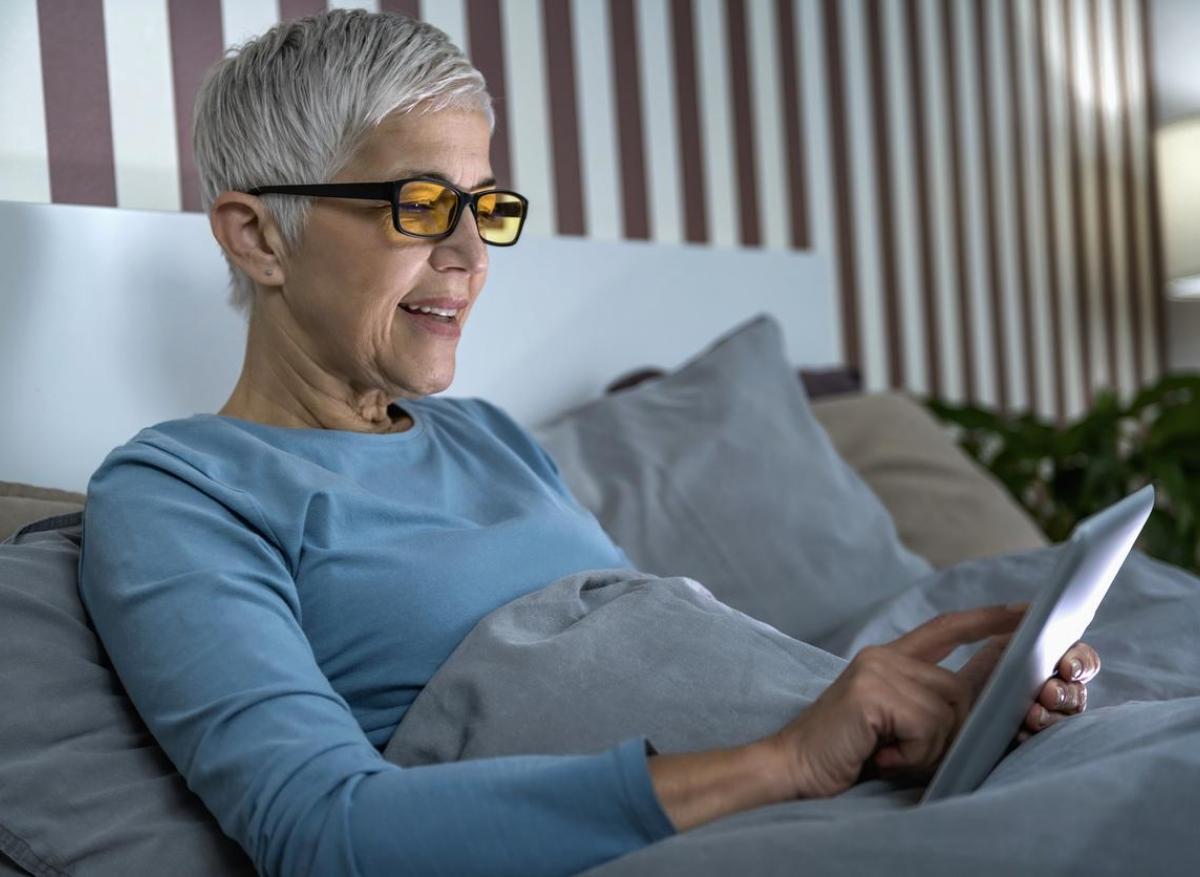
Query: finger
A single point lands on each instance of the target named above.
(941, 635)
(911, 720)
(922, 725)
(944, 683)
(1080, 663)
(1063, 697)
(1054, 695)
(1038, 718)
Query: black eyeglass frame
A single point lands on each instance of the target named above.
(390, 191)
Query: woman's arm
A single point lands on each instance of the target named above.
(198, 610)
(698, 787)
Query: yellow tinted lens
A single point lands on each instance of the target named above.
(500, 216)
(425, 208)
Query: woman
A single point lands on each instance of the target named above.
(275, 583)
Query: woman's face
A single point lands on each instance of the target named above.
(351, 270)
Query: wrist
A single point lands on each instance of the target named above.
(781, 767)
(697, 787)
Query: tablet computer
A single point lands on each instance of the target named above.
(1055, 621)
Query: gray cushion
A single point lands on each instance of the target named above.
(719, 472)
(84, 788)
(22, 503)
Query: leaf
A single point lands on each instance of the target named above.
(1189, 383)
(1061, 474)
(1180, 423)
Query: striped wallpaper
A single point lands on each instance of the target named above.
(976, 172)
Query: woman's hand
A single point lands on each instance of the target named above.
(1065, 694)
(893, 709)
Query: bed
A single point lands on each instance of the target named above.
(761, 491)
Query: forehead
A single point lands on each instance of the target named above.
(453, 142)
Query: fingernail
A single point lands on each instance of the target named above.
(1062, 695)
(1076, 668)
(1043, 716)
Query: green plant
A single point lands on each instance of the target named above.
(1061, 474)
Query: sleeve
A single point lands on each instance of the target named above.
(197, 607)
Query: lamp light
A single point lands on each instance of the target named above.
(1178, 155)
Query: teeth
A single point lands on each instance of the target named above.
(438, 311)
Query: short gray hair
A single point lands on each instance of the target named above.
(293, 106)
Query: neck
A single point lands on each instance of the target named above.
(282, 385)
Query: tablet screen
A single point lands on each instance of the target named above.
(1055, 621)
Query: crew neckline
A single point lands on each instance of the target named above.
(417, 428)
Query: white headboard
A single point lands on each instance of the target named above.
(114, 319)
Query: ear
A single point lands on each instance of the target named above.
(247, 232)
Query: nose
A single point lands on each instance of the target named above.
(463, 249)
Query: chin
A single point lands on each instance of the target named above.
(431, 385)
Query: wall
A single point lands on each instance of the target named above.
(974, 173)
(992, 178)
(1176, 30)
(119, 339)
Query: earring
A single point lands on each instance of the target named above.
(269, 272)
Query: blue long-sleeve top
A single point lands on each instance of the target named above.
(273, 599)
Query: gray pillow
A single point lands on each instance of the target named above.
(84, 787)
(719, 472)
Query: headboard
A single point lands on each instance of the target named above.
(115, 319)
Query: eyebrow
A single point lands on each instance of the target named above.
(401, 174)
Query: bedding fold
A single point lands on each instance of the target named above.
(567, 667)
(601, 655)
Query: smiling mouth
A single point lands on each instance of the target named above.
(432, 325)
(441, 317)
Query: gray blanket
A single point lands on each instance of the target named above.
(601, 655)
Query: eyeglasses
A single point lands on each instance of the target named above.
(428, 208)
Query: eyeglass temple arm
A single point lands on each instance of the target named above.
(363, 191)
